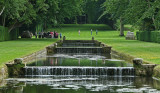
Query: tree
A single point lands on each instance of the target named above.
(116, 8)
(144, 13)
(2, 7)
(17, 12)
(59, 10)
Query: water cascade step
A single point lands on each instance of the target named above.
(75, 70)
(77, 44)
(79, 50)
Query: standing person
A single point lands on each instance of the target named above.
(51, 34)
(96, 31)
(39, 35)
(79, 32)
(42, 34)
(36, 34)
(60, 35)
(91, 31)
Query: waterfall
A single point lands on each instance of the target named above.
(83, 71)
(78, 44)
(97, 50)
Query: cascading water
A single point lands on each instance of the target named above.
(78, 70)
(71, 71)
(78, 45)
(78, 50)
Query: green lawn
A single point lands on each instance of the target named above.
(148, 51)
(10, 50)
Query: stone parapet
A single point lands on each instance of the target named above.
(143, 69)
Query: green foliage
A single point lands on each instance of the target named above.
(144, 13)
(92, 11)
(17, 13)
(115, 7)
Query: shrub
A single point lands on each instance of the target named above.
(149, 36)
(5, 35)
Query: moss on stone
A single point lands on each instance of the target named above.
(156, 72)
(16, 70)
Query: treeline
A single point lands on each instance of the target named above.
(16, 13)
(144, 15)
(37, 15)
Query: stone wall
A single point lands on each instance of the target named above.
(14, 68)
(96, 45)
(124, 56)
(143, 69)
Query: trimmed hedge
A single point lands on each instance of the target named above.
(149, 36)
(4, 35)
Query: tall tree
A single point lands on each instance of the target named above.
(144, 13)
(60, 9)
(2, 7)
(17, 12)
(116, 8)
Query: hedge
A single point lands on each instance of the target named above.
(149, 36)
(5, 35)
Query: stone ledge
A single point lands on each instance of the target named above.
(156, 72)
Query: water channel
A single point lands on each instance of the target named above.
(87, 83)
(79, 73)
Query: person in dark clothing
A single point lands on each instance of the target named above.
(60, 35)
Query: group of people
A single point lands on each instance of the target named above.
(91, 32)
(46, 34)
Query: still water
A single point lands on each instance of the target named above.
(71, 83)
(78, 60)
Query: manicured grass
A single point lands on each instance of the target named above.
(148, 51)
(10, 50)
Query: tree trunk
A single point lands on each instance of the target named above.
(154, 22)
(75, 21)
(15, 25)
(4, 23)
(153, 18)
(2, 11)
(121, 27)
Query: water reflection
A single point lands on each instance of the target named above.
(78, 60)
(60, 84)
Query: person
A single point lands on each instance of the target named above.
(96, 31)
(42, 34)
(79, 32)
(51, 34)
(54, 33)
(91, 31)
(36, 34)
(39, 35)
(60, 35)
(48, 33)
